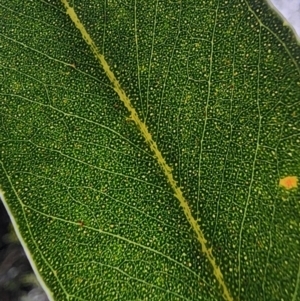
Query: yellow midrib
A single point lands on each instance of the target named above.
(153, 146)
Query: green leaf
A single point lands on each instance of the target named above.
(150, 150)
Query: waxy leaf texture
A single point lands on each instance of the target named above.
(150, 150)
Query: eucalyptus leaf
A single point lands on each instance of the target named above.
(150, 150)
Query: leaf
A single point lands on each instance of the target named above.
(150, 151)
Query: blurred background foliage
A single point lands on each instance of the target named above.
(17, 281)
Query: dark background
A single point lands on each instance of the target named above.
(17, 280)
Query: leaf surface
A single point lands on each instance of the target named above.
(216, 91)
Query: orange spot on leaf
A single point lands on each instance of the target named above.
(289, 182)
(80, 223)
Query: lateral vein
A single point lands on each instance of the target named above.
(153, 146)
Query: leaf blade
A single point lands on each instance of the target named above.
(228, 167)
